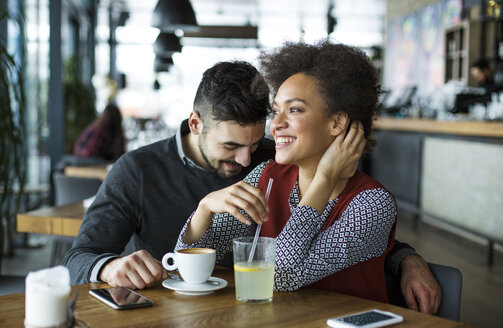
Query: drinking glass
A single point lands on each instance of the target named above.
(254, 277)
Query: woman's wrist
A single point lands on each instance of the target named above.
(318, 193)
(198, 224)
(323, 185)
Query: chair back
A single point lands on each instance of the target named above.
(8, 284)
(450, 280)
(69, 190)
(72, 189)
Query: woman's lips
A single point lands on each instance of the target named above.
(282, 142)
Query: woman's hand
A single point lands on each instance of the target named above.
(338, 163)
(341, 158)
(236, 197)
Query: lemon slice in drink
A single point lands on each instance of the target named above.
(247, 268)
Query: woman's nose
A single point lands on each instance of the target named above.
(278, 121)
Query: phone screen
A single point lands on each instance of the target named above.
(367, 319)
(121, 297)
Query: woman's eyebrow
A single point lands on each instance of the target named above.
(291, 100)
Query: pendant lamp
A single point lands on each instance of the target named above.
(170, 15)
(166, 44)
(162, 64)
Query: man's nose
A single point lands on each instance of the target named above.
(243, 157)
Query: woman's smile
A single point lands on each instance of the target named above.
(282, 142)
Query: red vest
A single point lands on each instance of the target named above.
(365, 279)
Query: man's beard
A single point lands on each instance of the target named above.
(214, 164)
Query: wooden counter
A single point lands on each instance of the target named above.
(449, 171)
(466, 128)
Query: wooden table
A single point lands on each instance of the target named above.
(98, 171)
(62, 220)
(308, 307)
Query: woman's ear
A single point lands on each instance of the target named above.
(195, 123)
(340, 122)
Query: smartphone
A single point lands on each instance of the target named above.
(368, 319)
(121, 298)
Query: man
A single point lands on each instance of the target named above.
(150, 192)
(482, 73)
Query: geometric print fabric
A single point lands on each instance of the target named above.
(305, 252)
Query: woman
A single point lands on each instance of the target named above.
(333, 224)
(104, 137)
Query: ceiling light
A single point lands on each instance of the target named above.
(162, 64)
(164, 60)
(224, 32)
(170, 15)
(166, 44)
(123, 17)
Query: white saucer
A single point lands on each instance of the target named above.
(181, 287)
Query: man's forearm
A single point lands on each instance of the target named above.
(399, 251)
(81, 265)
(97, 268)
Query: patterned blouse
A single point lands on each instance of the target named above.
(305, 253)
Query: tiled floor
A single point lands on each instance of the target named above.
(482, 286)
(29, 259)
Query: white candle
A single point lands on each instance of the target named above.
(47, 293)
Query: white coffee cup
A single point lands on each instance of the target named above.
(194, 264)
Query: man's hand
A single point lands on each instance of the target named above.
(419, 287)
(135, 271)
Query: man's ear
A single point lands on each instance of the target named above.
(195, 123)
(339, 123)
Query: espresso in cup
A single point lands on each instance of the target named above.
(194, 264)
(196, 251)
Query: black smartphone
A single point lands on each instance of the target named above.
(121, 298)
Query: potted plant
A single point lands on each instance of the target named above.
(12, 136)
(80, 109)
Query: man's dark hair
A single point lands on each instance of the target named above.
(345, 77)
(481, 64)
(233, 91)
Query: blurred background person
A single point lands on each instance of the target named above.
(482, 73)
(104, 137)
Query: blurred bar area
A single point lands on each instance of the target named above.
(440, 133)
